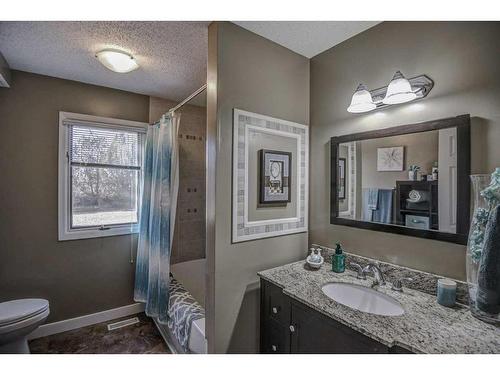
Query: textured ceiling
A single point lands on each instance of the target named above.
(172, 55)
(307, 38)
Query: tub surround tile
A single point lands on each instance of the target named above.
(426, 326)
(191, 249)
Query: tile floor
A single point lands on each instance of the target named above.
(142, 337)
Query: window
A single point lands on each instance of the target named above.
(100, 170)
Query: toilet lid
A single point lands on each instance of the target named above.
(12, 311)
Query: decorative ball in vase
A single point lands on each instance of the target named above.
(483, 248)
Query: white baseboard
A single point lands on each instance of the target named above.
(86, 320)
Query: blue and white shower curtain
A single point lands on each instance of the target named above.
(157, 220)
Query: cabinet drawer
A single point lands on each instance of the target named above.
(418, 222)
(276, 304)
(277, 338)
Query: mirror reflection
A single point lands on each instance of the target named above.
(406, 180)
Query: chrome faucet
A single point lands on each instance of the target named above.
(377, 273)
(397, 285)
(360, 270)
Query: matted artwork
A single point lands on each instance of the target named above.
(279, 177)
(342, 178)
(390, 159)
(275, 176)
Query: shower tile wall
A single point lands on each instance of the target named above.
(189, 235)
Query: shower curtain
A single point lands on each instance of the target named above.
(157, 220)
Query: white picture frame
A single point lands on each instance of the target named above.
(390, 159)
(244, 229)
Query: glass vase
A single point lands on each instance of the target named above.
(479, 218)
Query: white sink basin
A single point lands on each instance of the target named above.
(363, 299)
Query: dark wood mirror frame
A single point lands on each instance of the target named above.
(462, 123)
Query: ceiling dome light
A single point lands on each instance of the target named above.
(399, 90)
(117, 61)
(361, 100)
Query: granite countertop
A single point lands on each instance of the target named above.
(426, 326)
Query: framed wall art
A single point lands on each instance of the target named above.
(275, 176)
(390, 159)
(270, 170)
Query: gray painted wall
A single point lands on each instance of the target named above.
(462, 59)
(77, 277)
(256, 75)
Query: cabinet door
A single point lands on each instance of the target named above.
(316, 333)
(275, 305)
(276, 338)
(275, 319)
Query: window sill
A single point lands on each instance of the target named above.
(80, 234)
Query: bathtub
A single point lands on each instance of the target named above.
(191, 275)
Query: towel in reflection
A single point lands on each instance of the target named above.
(367, 213)
(383, 214)
(383, 207)
(372, 198)
(418, 196)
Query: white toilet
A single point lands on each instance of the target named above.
(18, 319)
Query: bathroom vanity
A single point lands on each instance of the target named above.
(289, 326)
(298, 317)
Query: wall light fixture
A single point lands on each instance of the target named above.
(361, 100)
(400, 90)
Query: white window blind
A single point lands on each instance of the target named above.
(105, 171)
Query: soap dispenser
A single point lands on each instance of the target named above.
(338, 259)
(314, 257)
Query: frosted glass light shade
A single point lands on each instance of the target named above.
(361, 101)
(117, 61)
(399, 90)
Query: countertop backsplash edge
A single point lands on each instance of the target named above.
(422, 281)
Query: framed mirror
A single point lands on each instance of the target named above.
(411, 179)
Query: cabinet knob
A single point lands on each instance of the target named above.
(292, 329)
(274, 348)
(275, 310)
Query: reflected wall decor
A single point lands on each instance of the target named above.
(390, 159)
(342, 178)
(270, 177)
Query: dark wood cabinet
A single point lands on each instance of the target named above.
(276, 304)
(314, 332)
(406, 213)
(288, 326)
(274, 319)
(276, 338)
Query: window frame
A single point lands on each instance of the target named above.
(65, 231)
